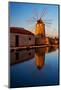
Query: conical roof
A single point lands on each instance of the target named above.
(40, 21)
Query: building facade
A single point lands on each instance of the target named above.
(21, 37)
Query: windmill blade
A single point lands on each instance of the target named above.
(48, 32)
(48, 23)
(32, 28)
(44, 12)
(35, 17)
(49, 26)
(48, 20)
(33, 20)
(35, 12)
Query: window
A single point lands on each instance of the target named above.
(29, 38)
(29, 53)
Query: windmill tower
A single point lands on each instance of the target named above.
(40, 28)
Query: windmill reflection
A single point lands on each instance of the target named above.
(26, 55)
(40, 57)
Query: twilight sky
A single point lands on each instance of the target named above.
(21, 15)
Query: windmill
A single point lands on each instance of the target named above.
(38, 20)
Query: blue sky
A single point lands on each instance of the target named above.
(20, 13)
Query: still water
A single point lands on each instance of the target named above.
(34, 67)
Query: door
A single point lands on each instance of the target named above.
(17, 41)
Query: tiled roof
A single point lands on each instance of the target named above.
(20, 31)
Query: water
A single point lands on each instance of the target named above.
(34, 67)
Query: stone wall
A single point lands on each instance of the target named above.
(23, 39)
(12, 40)
(41, 40)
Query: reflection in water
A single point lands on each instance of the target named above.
(25, 55)
(24, 72)
(51, 49)
(21, 56)
(40, 57)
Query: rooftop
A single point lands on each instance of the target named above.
(20, 31)
(40, 21)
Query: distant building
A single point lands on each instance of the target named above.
(54, 40)
(21, 37)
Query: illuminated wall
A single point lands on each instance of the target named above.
(40, 28)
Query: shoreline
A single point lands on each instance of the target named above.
(32, 47)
